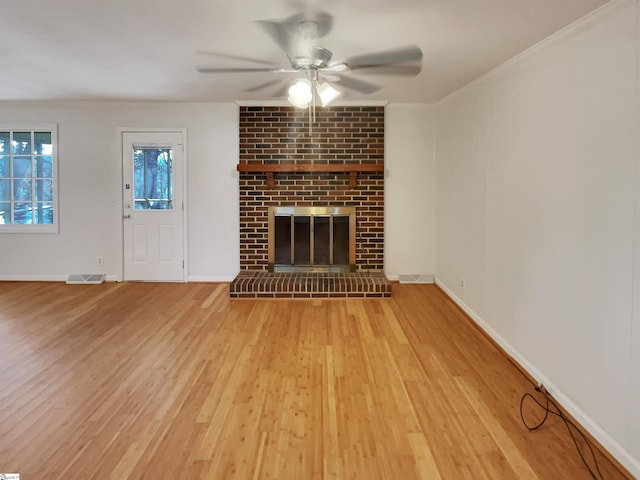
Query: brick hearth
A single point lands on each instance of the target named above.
(263, 284)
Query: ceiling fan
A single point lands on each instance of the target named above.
(315, 72)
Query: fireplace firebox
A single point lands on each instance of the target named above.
(312, 239)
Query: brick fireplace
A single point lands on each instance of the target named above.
(339, 164)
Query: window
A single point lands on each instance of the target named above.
(152, 178)
(28, 187)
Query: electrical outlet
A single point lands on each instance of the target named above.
(100, 260)
(462, 282)
(541, 388)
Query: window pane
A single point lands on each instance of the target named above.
(21, 143)
(5, 141)
(5, 190)
(44, 190)
(44, 213)
(5, 213)
(4, 166)
(21, 167)
(42, 143)
(22, 189)
(43, 166)
(22, 213)
(152, 179)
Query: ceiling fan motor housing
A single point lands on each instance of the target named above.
(315, 57)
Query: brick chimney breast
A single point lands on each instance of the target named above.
(342, 135)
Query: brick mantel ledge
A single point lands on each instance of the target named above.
(269, 169)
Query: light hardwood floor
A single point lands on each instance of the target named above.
(176, 381)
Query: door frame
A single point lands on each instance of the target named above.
(183, 131)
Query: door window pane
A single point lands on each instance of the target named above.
(152, 178)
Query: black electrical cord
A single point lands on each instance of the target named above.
(567, 423)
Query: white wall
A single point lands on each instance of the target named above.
(90, 181)
(537, 188)
(409, 190)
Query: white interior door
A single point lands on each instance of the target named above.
(153, 208)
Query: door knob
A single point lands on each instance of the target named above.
(126, 216)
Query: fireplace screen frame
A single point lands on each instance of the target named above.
(312, 213)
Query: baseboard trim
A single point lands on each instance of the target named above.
(47, 278)
(416, 278)
(209, 279)
(604, 442)
(33, 278)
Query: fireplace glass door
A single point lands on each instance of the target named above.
(311, 238)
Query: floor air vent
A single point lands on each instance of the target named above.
(415, 278)
(93, 278)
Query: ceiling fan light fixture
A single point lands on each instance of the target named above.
(300, 93)
(327, 93)
(295, 103)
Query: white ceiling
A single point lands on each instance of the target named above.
(148, 49)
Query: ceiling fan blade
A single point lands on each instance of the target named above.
(389, 69)
(262, 86)
(278, 32)
(411, 53)
(298, 24)
(282, 91)
(242, 70)
(307, 25)
(234, 57)
(358, 85)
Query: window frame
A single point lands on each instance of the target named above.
(38, 227)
